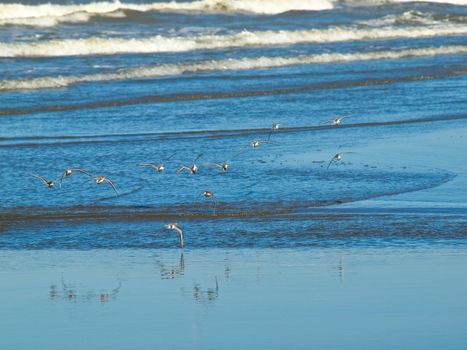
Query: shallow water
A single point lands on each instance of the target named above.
(297, 251)
(209, 80)
(230, 299)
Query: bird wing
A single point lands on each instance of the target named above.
(185, 167)
(112, 184)
(240, 150)
(332, 160)
(61, 178)
(214, 164)
(215, 202)
(82, 171)
(169, 157)
(151, 165)
(180, 232)
(198, 157)
(39, 177)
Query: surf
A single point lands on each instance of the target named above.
(52, 14)
(263, 62)
(245, 38)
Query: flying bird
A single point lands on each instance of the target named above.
(69, 172)
(336, 120)
(223, 166)
(256, 143)
(101, 179)
(210, 195)
(193, 169)
(337, 158)
(158, 167)
(48, 183)
(274, 127)
(178, 229)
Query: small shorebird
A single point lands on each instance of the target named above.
(101, 179)
(337, 158)
(274, 127)
(223, 166)
(69, 172)
(256, 143)
(191, 169)
(49, 183)
(178, 229)
(158, 167)
(210, 195)
(337, 120)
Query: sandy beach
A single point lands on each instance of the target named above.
(309, 157)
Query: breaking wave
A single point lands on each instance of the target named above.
(53, 14)
(108, 46)
(222, 65)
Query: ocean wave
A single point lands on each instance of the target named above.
(53, 14)
(222, 65)
(453, 2)
(405, 18)
(109, 46)
(380, 2)
(52, 21)
(414, 18)
(47, 15)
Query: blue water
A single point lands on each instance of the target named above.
(298, 251)
(107, 111)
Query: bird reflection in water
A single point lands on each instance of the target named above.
(227, 268)
(170, 272)
(71, 294)
(340, 269)
(208, 295)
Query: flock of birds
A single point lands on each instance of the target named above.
(191, 169)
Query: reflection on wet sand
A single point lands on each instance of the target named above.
(69, 292)
(170, 272)
(205, 296)
(340, 269)
(227, 268)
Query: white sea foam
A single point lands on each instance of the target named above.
(108, 46)
(379, 2)
(223, 65)
(453, 2)
(408, 17)
(53, 14)
(52, 21)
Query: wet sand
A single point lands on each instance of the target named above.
(302, 252)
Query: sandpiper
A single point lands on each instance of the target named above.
(178, 229)
(256, 143)
(210, 195)
(69, 172)
(158, 167)
(191, 169)
(223, 166)
(49, 183)
(101, 179)
(274, 127)
(337, 120)
(336, 158)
